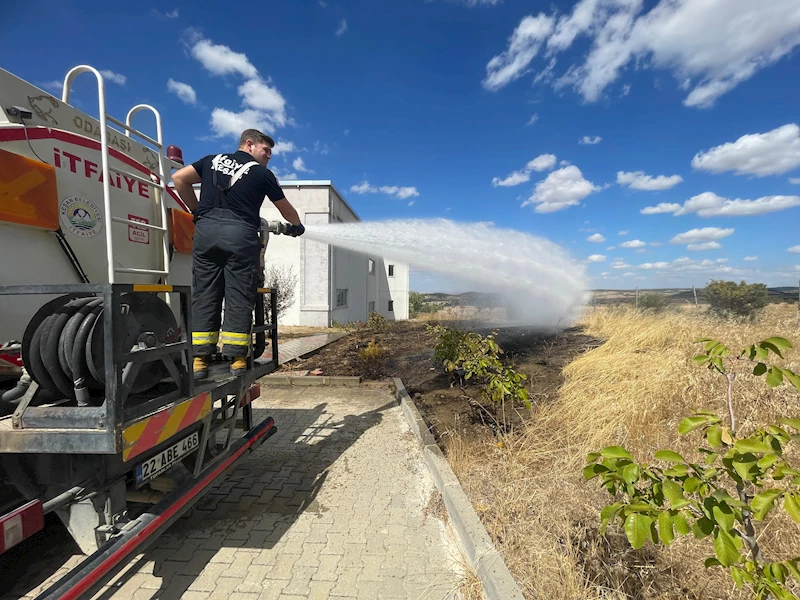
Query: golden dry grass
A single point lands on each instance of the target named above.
(632, 390)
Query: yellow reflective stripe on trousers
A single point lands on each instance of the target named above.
(204, 337)
(235, 339)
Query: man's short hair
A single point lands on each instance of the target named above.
(255, 136)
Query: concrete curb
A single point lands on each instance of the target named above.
(310, 380)
(485, 560)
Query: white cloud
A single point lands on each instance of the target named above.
(523, 46)
(638, 180)
(611, 248)
(633, 244)
(299, 165)
(710, 46)
(342, 28)
(750, 258)
(590, 140)
(411, 203)
(704, 246)
(597, 238)
(618, 263)
(173, 14)
(706, 234)
(182, 90)
(772, 153)
(114, 77)
(283, 147)
(281, 176)
(623, 232)
(543, 162)
(533, 119)
(259, 95)
(562, 188)
(661, 207)
(231, 124)
(399, 192)
(795, 180)
(221, 60)
(391, 190)
(708, 204)
(593, 258)
(794, 250)
(264, 107)
(57, 86)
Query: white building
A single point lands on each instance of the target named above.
(332, 284)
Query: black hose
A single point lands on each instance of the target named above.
(80, 363)
(50, 343)
(66, 341)
(33, 361)
(15, 393)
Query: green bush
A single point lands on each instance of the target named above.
(652, 302)
(415, 303)
(727, 299)
(373, 360)
(376, 322)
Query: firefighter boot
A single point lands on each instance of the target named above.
(200, 367)
(239, 365)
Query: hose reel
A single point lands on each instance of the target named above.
(64, 344)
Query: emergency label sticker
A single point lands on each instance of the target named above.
(140, 235)
(80, 216)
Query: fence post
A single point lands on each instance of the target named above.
(696, 305)
(637, 298)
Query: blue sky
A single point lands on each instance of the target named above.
(663, 120)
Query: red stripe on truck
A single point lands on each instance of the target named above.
(17, 134)
(20, 524)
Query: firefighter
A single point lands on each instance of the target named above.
(226, 244)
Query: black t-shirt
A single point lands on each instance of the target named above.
(244, 198)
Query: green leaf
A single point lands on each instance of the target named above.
(714, 436)
(780, 342)
(690, 424)
(615, 452)
(700, 359)
(794, 423)
(638, 507)
(762, 503)
(669, 456)
(791, 504)
(792, 566)
(631, 473)
(592, 457)
(752, 445)
(691, 485)
(701, 340)
(793, 378)
(769, 346)
(736, 573)
(672, 491)
(774, 377)
(683, 503)
(592, 471)
(725, 548)
(637, 529)
(759, 369)
(723, 515)
(665, 523)
(679, 470)
(702, 527)
(681, 524)
(767, 461)
(607, 514)
(722, 495)
(712, 562)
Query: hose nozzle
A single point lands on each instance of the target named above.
(276, 227)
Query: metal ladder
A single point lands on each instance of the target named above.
(159, 188)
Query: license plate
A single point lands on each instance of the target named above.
(166, 458)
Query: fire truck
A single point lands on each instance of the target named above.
(101, 421)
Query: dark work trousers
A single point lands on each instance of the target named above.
(225, 265)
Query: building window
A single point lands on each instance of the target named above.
(391, 272)
(391, 305)
(341, 298)
(371, 306)
(371, 266)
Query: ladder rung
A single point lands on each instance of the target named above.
(132, 130)
(138, 224)
(136, 177)
(140, 271)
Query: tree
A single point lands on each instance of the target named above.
(284, 280)
(415, 303)
(743, 300)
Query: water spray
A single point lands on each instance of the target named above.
(544, 285)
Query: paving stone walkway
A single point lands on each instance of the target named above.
(291, 349)
(339, 503)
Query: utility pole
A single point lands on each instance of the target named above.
(637, 298)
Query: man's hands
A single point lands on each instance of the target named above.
(295, 230)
